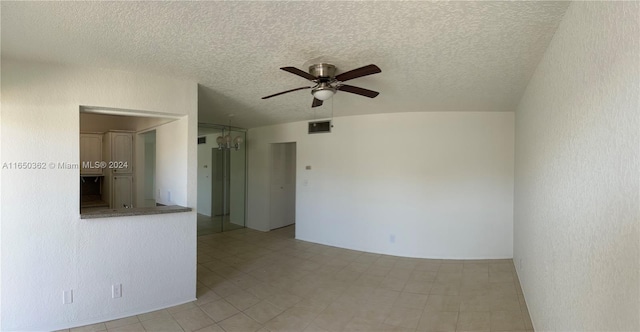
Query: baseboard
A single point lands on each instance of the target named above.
(110, 318)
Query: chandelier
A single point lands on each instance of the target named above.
(225, 142)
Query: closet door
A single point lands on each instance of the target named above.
(282, 206)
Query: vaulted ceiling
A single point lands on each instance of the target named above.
(434, 56)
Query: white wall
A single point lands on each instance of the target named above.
(171, 168)
(93, 122)
(1, 172)
(577, 232)
(45, 246)
(440, 183)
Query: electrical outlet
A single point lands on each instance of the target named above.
(67, 296)
(392, 238)
(116, 291)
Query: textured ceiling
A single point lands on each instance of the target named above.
(434, 56)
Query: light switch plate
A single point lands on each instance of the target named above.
(67, 296)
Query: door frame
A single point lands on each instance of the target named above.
(293, 185)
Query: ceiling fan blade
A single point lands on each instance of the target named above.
(358, 91)
(301, 73)
(359, 72)
(316, 102)
(283, 92)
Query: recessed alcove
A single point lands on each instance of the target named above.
(118, 161)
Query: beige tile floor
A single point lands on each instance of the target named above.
(209, 225)
(254, 281)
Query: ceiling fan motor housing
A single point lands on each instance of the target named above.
(323, 70)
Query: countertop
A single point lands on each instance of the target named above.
(108, 213)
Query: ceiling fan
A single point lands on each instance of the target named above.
(327, 82)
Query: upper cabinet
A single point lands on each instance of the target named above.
(119, 152)
(90, 154)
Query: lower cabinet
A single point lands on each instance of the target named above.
(122, 192)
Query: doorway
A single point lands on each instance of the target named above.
(221, 178)
(282, 205)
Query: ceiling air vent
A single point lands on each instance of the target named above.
(318, 127)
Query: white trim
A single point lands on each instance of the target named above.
(106, 319)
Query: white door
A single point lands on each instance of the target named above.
(122, 192)
(282, 207)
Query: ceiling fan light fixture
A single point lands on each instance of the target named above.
(323, 93)
(328, 83)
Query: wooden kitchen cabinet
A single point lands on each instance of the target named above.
(90, 153)
(122, 191)
(119, 151)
